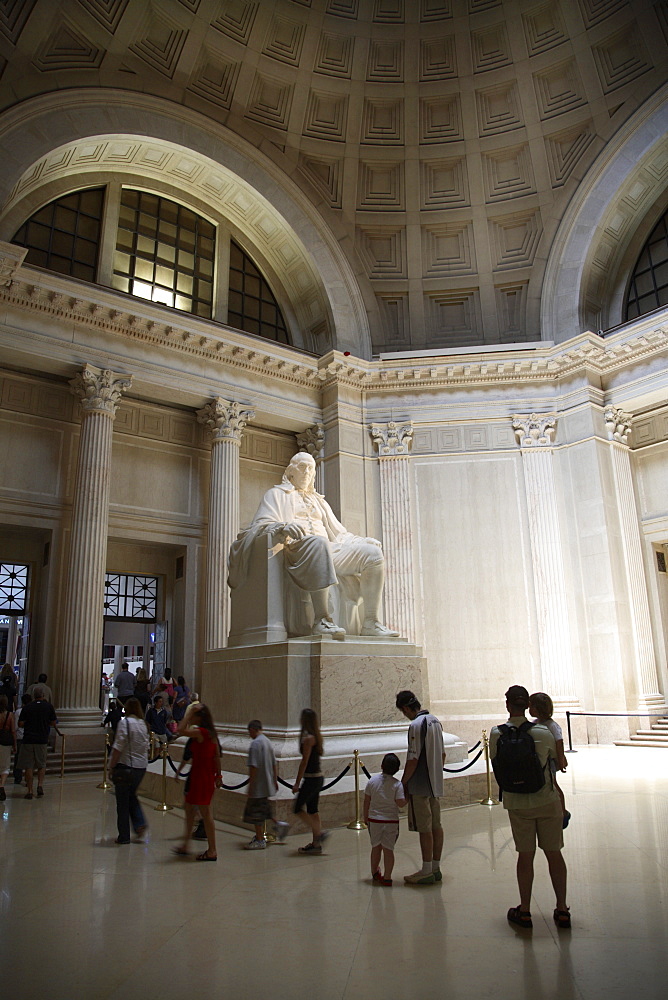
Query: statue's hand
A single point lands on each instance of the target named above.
(294, 531)
(374, 541)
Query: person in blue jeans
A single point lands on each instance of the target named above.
(128, 762)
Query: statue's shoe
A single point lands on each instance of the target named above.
(327, 627)
(378, 629)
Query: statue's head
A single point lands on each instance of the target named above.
(301, 471)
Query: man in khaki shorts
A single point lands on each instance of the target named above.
(534, 816)
(423, 785)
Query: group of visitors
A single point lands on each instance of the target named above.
(24, 731)
(163, 705)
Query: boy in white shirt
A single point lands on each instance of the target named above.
(383, 797)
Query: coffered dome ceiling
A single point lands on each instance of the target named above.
(441, 141)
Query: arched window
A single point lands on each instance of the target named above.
(161, 251)
(164, 253)
(64, 236)
(648, 288)
(252, 306)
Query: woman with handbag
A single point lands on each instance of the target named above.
(128, 762)
(7, 742)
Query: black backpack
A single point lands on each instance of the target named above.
(517, 767)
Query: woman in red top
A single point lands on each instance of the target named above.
(205, 776)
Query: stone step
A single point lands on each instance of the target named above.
(655, 734)
(642, 743)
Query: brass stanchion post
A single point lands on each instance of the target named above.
(62, 756)
(162, 806)
(104, 784)
(357, 823)
(490, 800)
(269, 837)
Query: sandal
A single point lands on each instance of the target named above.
(562, 919)
(522, 918)
(205, 856)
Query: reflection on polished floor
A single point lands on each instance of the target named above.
(82, 917)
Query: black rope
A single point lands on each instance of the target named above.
(343, 772)
(286, 784)
(233, 788)
(365, 771)
(458, 770)
(471, 749)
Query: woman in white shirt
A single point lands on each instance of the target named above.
(129, 760)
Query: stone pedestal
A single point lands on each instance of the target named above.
(351, 684)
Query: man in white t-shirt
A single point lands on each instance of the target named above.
(423, 783)
(263, 783)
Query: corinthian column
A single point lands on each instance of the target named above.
(312, 440)
(79, 680)
(618, 427)
(393, 442)
(226, 421)
(534, 435)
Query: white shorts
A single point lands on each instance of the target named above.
(383, 834)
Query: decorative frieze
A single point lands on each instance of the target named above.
(11, 259)
(535, 430)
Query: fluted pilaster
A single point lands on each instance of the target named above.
(79, 680)
(534, 434)
(312, 440)
(226, 421)
(618, 427)
(393, 443)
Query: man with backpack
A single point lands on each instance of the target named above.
(520, 753)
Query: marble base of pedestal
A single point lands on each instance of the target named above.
(351, 684)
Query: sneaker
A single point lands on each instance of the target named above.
(419, 878)
(438, 875)
(566, 820)
(40, 791)
(310, 849)
(255, 845)
(281, 830)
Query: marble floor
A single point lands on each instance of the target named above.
(82, 917)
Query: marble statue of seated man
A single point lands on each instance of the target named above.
(318, 551)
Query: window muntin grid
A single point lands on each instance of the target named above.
(251, 303)
(648, 288)
(13, 588)
(128, 596)
(165, 253)
(64, 235)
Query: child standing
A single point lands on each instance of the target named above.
(383, 797)
(541, 708)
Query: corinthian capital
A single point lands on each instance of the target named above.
(617, 424)
(392, 439)
(225, 419)
(312, 440)
(535, 430)
(99, 390)
(11, 258)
